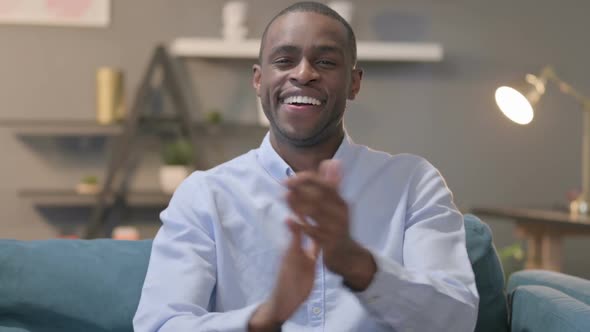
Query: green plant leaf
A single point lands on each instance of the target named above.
(214, 117)
(179, 152)
(90, 179)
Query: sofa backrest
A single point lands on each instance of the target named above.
(489, 276)
(71, 285)
(94, 286)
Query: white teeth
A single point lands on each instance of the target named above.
(302, 100)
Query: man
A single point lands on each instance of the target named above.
(310, 231)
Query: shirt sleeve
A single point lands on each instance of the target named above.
(181, 276)
(434, 289)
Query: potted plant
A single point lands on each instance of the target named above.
(512, 258)
(177, 157)
(88, 185)
(214, 119)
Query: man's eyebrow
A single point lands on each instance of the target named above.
(329, 49)
(282, 49)
(286, 49)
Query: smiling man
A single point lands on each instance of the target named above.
(310, 231)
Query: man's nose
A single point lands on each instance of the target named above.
(304, 73)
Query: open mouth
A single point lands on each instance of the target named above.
(302, 101)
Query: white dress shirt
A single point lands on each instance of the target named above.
(216, 256)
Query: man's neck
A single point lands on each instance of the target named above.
(306, 158)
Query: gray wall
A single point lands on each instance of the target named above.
(442, 111)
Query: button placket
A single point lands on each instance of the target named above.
(315, 308)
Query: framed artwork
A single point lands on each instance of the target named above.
(90, 13)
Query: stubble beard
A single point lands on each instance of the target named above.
(318, 135)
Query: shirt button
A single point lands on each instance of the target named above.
(316, 310)
(289, 172)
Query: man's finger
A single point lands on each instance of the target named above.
(320, 235)
(321, 209)
(303, 206)
(300, 220)
(295, 233)
(331, 171)
(310, 190)
(313, 251)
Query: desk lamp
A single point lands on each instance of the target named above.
(518, 107)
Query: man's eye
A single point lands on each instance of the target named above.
(326, 63)
(282, 61)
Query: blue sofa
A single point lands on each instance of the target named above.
(549, 301)
(94, 286)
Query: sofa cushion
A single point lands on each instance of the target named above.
(575, 287)
(71, 285)
(489, 276)
(14, 328)
(544, 309)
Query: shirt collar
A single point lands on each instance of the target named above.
(280, 170)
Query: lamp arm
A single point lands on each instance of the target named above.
(566, 88)
(582, 204)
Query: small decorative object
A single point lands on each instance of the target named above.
(234, 20)
(177, 157)
(110, 96)
(88, 185)
(262, 119)
(344, 8)
(128, 233)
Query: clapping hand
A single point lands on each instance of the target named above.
(324, 216)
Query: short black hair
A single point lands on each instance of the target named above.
(314, 7)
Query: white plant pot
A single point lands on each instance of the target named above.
(171, 176)
(87, 189)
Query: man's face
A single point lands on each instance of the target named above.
(305, 76)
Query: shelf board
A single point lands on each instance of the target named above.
(248, 49)
(60, 128)
(71, 198)
(80, 128)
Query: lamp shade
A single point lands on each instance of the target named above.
(518, 106)
(514, 105)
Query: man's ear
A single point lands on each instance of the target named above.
(355, 86)
(256, 75)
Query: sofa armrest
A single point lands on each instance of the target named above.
(540, 309)
(575, 287)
